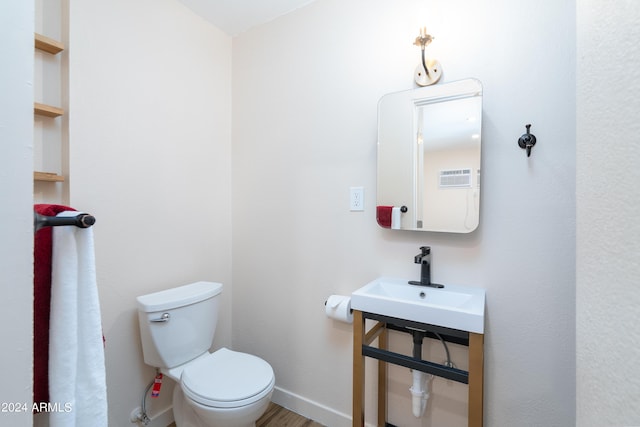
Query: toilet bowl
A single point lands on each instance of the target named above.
(225, 388)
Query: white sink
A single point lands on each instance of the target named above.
(456, 307)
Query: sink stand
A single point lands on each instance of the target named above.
(362, 348)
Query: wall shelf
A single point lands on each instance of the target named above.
(47, 110)
(47, 177)
(47, 44)
(50, 103)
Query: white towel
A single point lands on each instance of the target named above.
(77, 384)
(396, 218)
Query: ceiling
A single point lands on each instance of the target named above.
(236, 16)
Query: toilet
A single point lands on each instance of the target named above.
(221, 389)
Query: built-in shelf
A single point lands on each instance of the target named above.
(48, 177)
(48, 45)
(53, 47)
(47, 110)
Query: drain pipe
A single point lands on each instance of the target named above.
(419, 389)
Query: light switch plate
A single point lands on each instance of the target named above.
(356, 199)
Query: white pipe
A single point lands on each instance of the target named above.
(420, 392)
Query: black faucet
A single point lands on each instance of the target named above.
(424, 258)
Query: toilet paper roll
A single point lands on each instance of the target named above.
(338, 307)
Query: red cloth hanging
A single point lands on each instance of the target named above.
(383, 215)
(41, 302)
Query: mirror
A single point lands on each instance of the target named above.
(429, 143)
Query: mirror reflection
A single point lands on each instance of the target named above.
(429, 146)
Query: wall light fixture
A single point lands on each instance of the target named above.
(429, 71)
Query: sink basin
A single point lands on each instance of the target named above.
(456, 307)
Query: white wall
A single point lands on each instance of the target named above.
(305, 92)
(150, 147)
(608, 376)
(16, 227)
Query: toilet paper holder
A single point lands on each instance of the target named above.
(337, 304)
(338, 307)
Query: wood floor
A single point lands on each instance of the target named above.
(277, 416)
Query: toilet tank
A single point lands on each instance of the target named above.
(178, 324)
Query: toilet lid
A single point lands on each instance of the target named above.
(227, 379)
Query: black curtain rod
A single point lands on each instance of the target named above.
(81, 220)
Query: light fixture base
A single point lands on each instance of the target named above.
(423, 78)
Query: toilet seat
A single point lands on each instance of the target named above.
(227, 379)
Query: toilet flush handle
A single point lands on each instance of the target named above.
(164, 318)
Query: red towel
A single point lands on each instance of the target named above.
(41, 303)
(383, 216)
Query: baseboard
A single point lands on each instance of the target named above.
(310, 409)
(287, 399)
(161, 419)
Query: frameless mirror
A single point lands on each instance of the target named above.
(429, 143)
